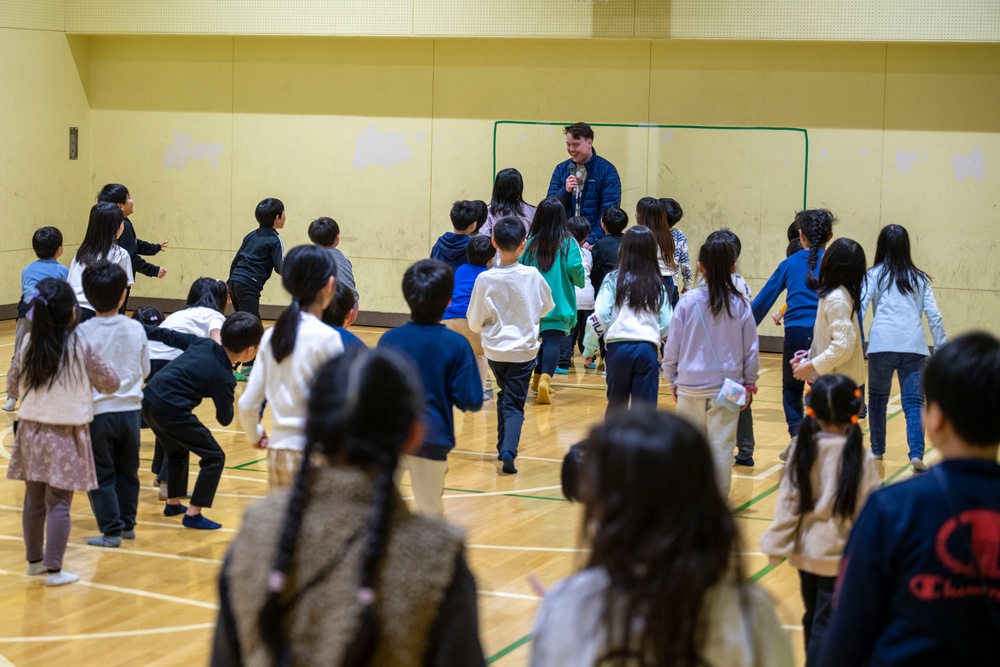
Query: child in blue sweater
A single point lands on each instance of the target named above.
(447, 369)
(480, 252)
(451, 246)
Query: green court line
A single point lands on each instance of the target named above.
(755, 518)
(507, 650)
(755, 500)
(763, 572)
(250, 463)
(195, 465)
(649, 126)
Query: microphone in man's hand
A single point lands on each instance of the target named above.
(580, 171)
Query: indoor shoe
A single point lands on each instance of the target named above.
(174, 510)
(199, 522)
(241, 377)
(9, 404)
(104, 541)
(562, 371)
(877, 457)
(535, 379)
(508, 463)
(163, 494)
(591, 366)
(748, 461)
(128, 534)
(35, 569)
(60, 578)
(544, 389)
(486, 397)
(918, 465)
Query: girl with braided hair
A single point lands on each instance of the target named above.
(815, 228)
(828, 478)
(337, 571)
(290, 353)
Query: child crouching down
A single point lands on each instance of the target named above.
(53, 374)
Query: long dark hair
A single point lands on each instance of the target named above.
(50, 347)
(346, 420)
(208, 293)
(547, 235)
(638, 283)
(508, 193)
(717, 257)
(662, 556)
(307, 269)
(835, 399)
(892, 253)
(649, 213)
(843, 266)
(102, 231)
(116, 193)
(817, 226)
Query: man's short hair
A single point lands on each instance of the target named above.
(324, 231)
(963, 379)
(480, 251)
(46, 241)
(103, 285)
(615, 219)
(342, 303)
(580, 131)
(241, 330)
(427, 288)
(464, 214)
(509, 233)
(269, 210)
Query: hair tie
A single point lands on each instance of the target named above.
(854, 419)
(809, 389)
(810, 412)
(276, 581)
(857, 393)
(366, 596)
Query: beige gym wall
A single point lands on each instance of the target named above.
(384, 133)
(43, 75)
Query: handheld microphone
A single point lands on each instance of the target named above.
(580, 171)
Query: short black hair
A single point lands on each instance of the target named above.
(427, 287)
(615, 219)
(46, 241)
(580, 131)
(103, 285)
(509, 233)
(963, 379)
(729, 236)
(324, 231)
(480, 251)
(150, 315)
(673, 209)
(342, 303)
(464, 214)
(570, 472)
(483, 209)
(268, 211)
(240, 331)
(579, 227)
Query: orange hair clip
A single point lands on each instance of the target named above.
(810, 412)
(857, 393)
(854, 419)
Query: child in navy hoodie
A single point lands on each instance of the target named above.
(447, 369)
(919, 580)
(450, 248)
(480, 253)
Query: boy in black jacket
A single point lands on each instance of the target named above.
(261, 252)
(203, 371)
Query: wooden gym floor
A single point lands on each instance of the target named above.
(153, 601)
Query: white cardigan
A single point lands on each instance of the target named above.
(836, 346)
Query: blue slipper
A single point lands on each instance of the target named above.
(200, 523)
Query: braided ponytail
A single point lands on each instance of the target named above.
(817, 226)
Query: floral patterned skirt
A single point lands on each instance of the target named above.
(57, 454)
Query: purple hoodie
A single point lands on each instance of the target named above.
(687, 360)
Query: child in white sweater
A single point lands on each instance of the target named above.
(506, 306)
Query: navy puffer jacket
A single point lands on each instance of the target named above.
(603, 188)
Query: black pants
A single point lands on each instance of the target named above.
(548, 353)
(633, 373)
(158, 468)
(124, 306)
(512, 378)
(246, 299)
(745, 442)
(792, 390)
(817, 596)
(114, 437)
(575, 339)
(180, 434)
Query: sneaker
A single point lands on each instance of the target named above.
(591, 366)
(60, 578)
(562, 371)
(128, 534)
(241, 377)
(748, 461)
(35, 569)
(918, 465)
(9, 404)
(200, 522)
(783, 456)
(105, 541)
(486, 397)
(163, 493)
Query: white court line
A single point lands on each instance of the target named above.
(795, 628)
(515, 596)
(513, 548)
(503, 493)
(3, 436)
(4, 662)
(493, 456)
(129, 591)
(112, 550)
(103, 635)
(767, 473)
(161, 524)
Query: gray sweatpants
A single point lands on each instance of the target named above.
(46, 523)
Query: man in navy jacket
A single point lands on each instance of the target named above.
(601, 187)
